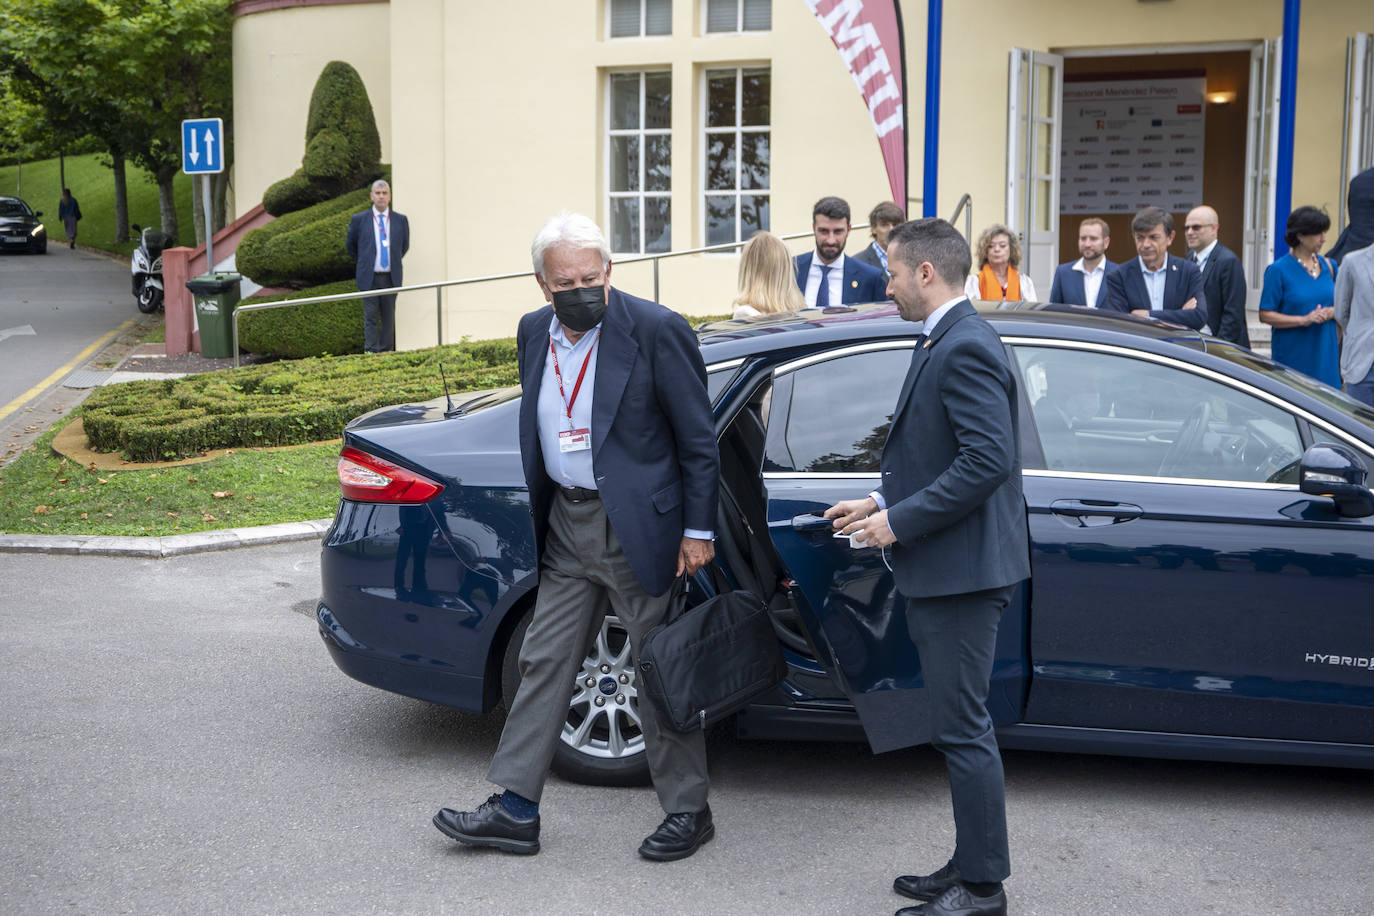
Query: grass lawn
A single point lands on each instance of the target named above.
(92, 185)
(43, 493)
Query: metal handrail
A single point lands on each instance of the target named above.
(439, 285)
(965, 205)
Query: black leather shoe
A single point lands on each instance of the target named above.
(678, 836)
(958, 900)
(927, 887)
(491, 825)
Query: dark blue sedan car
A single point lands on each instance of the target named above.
(1202, 547)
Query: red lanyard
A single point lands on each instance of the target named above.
(558, 373)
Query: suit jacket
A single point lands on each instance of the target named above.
(1068, 288)
(361, 245)
(1359, 232)
(653, 437)
(1223, 283)
(862, 283)
(952, 465)
(1183, 281)
(867, 256)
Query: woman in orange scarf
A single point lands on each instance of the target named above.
(997, 278)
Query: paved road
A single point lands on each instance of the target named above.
(175, 740)
(68, 299)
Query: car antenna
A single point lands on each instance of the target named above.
(451, 411)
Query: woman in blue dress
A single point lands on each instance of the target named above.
(1297, 302)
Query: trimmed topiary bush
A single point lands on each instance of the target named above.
(281, 403)
(342, 147)
(317, 329)
(302, 248)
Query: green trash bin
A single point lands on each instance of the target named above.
(216, 295)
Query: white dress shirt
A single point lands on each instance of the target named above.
(1092, 280)
(835, 280)
(1202, 256)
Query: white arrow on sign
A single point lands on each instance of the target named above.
(209, 147)
(21, 331)
(195, 154)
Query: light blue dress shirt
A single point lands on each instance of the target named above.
(1155, 281)
(573, 469)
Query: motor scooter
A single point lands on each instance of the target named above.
(146, 265)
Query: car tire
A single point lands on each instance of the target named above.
(586, 751)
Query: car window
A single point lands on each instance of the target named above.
(717, 377)
(13, 208)
(839, 413)
(1104, 413)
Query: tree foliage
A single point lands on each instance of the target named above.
(126, 71)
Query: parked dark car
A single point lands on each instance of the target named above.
(20, 227)
(1202, 547)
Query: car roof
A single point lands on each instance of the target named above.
(809, 328)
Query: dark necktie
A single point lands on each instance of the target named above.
(823, 293)
(386, 249)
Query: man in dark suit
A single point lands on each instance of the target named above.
(619, 452)
(829, 278)
(377, 239)
(951, 510)
(1223, 278)
(883, 218)
(1155, 283)
(1083, 282)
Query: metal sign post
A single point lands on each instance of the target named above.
(202, 153)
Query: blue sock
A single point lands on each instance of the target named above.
(519, 806)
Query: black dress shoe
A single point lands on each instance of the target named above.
(959, 901)
(491, 825)
(678, 836)
(927, 887)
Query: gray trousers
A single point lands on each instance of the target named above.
(583, 568)
(956, 636)
(379, 318)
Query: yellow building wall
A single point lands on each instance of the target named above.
(492, 116)
(278, 56)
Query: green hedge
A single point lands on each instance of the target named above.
(342, 147)
(318, 329)
(304, 247)
(285, 403)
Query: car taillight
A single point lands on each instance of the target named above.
(367, 478)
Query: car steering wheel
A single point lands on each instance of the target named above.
(1189, 439)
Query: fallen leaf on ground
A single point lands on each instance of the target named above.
(84, 515)
(222, 494)
(173, 515)
(101, 480)
(207, 518)
(41, 510)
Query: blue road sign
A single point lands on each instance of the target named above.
(202, 146)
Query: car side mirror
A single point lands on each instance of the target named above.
(38, 213)
(1337, 473)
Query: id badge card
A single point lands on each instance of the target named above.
(574, 440)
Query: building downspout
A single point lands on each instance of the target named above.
(1288, 91)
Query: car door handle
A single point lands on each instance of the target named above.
(1087, 513)
(810, 522)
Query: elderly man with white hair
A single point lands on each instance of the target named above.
(620, 459)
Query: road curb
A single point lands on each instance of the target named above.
(101, 545)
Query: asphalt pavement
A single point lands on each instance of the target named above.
(55, 309)
(176, 740)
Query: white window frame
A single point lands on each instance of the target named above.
(642, 133)
(738, 131)
(739, 21)
(643, 23)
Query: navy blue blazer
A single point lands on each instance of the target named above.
(952, 465)
(361, 245)
(653, 439)
(1126, 291)
(862, 283)
(1067, 287)
(1223, 282)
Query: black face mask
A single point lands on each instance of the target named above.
(580, 309)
